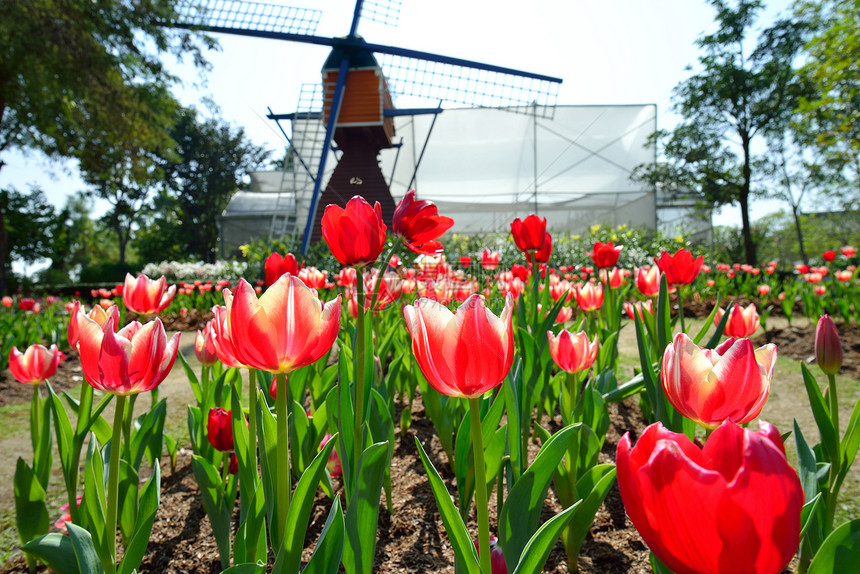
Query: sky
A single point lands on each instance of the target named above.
(606, 52)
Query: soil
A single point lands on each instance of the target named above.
(410, 540)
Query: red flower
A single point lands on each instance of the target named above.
(219, 429)
(462, 355)
(465, 261)
(848, 251)
(521, 272)
(732, 507)
(276, 265)
(34, 365)
(26, 304)
(204, 345)
(681, 268)
(146, 296)
(543, 254)
(490, 259)
(828, 347)
(829, 255)
(355, 234)
(647, 280)
(571, 351)
(529, 234)
(605, 254)
(419, 224)
(497, 558)
(742, 322)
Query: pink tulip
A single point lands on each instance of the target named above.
(742, 322)
(34, 365)
(572, 352)
(145, 296)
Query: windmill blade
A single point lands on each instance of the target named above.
(247, 18)
(383, 11)
(471, 83)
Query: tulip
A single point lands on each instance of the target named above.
(572, 352)
(204, 345)
(134, 360)
(333, 465)
(497, 558)
(313, 277)
(647, 280)
(742, 322)
(490, 259)
(276, 265)
(605, 254)
(732, 507)
(27, 304)
(848, 251)
(355, 234)
(543, 254)
(464, 354)
(419, 224)
(712, 385)
(222, 340)
(638, 308)
(98, 314)
(612, 277)
(35, 364)
(286, 329)
(465, 261)
(7, 301)
(680, 268)
(820, 290)
(828, 347)
(589, 296)
(829, 255)
(529, 234)
(145, 296)
(763, 290)
(219, 429)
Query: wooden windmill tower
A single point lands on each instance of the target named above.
(357, 106)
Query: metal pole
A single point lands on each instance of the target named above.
(329, 133)
(534, 152)
(424, 147)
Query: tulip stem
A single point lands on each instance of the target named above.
(359, 369)
(113, 479)
(681, 309)
(285, 481)
(85, 405)
(834, 403)
(382, 269)
(481, 504)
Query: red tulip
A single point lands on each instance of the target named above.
(7, 301)
(355, 234)
(490, 259)
(742, 322)
(763, 289)
(605, 254)
(572, 352)
(529, 234)
(829, 255)
(732, 507)
(419, 224)
(333, 465)
(647, 280)
(521, 272)
(462, 355)
(589, 296)
(848, 251)
(204, 345)
(222, 340)
(633, 309)
(543, 254)
(132, 361)
(219, 429)
(612, 276)
(712, 385)
(465, 261)
(276, 265)
(145, 296)
(287, 328)
(34, 365)
(828, 347)
(681, 268)
(27, 304)
(313, 277)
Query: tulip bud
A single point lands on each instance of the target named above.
(828, 348)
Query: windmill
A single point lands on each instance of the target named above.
(357, 106)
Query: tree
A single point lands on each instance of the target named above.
(212, 163)
(76, 74)
(830, 117)
(735, 98)
(24, 220)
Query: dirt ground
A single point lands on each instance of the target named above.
(413, 539)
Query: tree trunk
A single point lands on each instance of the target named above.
(4, 244)
(749, 244)
(799, 230)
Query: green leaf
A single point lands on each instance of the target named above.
(192, 379)
(458, 535)
(94, 500)
(520, 516)
(591, 489)
(329, 549)
(65, 436)
(829, 440)
(808, 471)
(657, 566)
(127, 498)
(267, 431)
(363, 511)
(539, 546)
(42, 456)
(219, 511)
(147, 509)
(247, 568)
(840, 552)
(808, 513)
(85, 553)
(851, 438)
(710, 321)
(628, 389)
(715, 338)
(56, 551)
(31, 513)
(290, 554)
